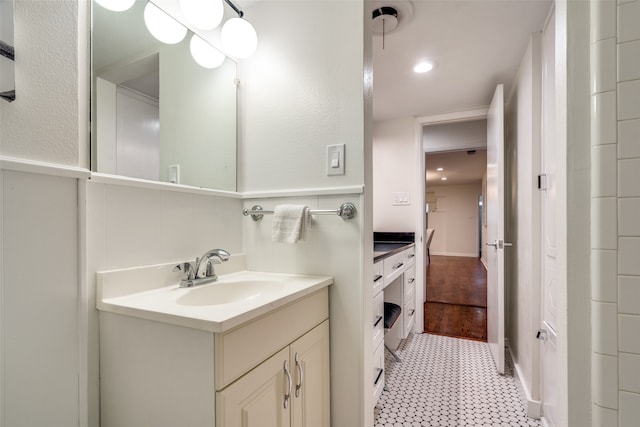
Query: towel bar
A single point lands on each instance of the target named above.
(345, 211)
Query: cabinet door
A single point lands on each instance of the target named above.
(310, 366)
(257, 398)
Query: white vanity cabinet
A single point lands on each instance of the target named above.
(165, 375)
(378, 330)
(290, 388)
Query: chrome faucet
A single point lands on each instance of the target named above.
(201, 271)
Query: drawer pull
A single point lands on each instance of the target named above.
(412, 280)
(398, 265)
(289, 382)
(411, 256)
(380, 371)
(412, 312)
(376, 278)
(377, 321)
(300, 375)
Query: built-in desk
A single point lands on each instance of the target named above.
(393, 281)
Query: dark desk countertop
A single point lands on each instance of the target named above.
(382, 250)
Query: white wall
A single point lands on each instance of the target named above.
(302, 90)
(522, 154)
(394, 170)
(615, 208)
(455, 220)
(48, 120)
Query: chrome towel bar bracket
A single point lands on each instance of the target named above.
(345, 211)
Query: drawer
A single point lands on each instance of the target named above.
(409, 282)
(378, 277)
(378, 319)
(378, 373)
(410, 255)
(394, 266)
(409, 314)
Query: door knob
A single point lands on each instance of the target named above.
(493, 244)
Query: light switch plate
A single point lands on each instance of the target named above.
(335, 159)
(401, 199)
(174, 174)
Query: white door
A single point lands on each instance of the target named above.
(549, 249)
(495, 228)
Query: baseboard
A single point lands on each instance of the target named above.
(484, 262)
(534, 407)
(460, 254)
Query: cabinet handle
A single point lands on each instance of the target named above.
(379, 376)
(287, 396)
(398, 265)
(376, 278)
(411, 256)
(300, 375)
(377, 321)
(412, 280)
(412, 312)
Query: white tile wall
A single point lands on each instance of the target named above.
(629, 99)
(628, 224)
(603, 417)
(629, 177)
(603, 74)
(628, 18)
(629, 372)
(603, 223)
(628, 250)
(604, 271)
(604, 318)
(603, 20)
(604, 176)
(629, 61)
(629, 325)
(604, 380)
(629, 291)
(603, 124)
(623, 104)
(629, 139)
(629, 409)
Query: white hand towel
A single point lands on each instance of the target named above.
(288, 223)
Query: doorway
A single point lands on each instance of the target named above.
(455, 278)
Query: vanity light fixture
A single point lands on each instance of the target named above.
(116, 5)
(423, 67)
(239, 38)
(203, 14)
(204, 54)
(162, 26)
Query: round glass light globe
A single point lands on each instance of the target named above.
(116, 5)
(203, 14)
(162, 26)
(239, 38)
(204, 54)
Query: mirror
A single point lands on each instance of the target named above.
(157, 114)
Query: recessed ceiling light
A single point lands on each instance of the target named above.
(440, 169)
(423, 67)
(444, 178)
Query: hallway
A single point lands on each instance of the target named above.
(456, 297)
(443, 381)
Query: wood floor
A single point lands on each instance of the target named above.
(456, 298)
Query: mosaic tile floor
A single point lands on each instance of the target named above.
(444, 381)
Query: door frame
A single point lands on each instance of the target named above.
(420, 122)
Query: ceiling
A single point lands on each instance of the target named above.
(476, 44)
(459, 167)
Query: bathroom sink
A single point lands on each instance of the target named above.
(230, 291)
(153, 293)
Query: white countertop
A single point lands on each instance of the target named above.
(152, 293)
